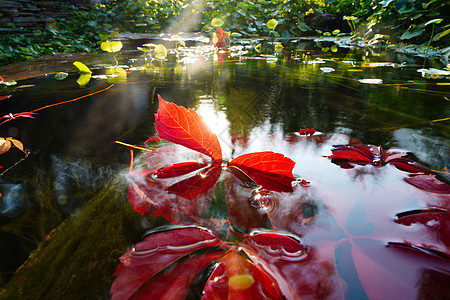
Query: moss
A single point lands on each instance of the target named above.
(78, 258)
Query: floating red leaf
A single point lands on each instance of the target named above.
(185, 127)
(428, 228)
(273, 171)
(307, 131)
(158, 251)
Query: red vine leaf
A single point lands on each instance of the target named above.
(273, 171)
(238, 278)
(293, 267)
(158, 251)
(429, 183)
(185, 127)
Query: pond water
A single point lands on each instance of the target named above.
(68, 198)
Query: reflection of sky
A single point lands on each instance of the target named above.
(217, 121)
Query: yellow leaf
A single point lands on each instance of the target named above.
(83, 79)
(160, 51)
(120, 72)
(271, 24)
(278, 47)
(111, 46)
(258, 48)
(82, 67)
(216, 22)
(442, 83)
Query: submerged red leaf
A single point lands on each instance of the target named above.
(174, 284)
(429, 183)
(273, 171)
(177, 198)
(4, 97)
(238, 278)
(199, 184)
(179, 169)
(293, 267)
(185, 127)
(146, 259)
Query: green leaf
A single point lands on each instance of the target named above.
(442, 34)
(336, 32)
(111, 46)
(61, 75)
(278, 47)
(271, 24)
(436, 21)
(350, 18)
(216, 22)
(412, 31)
(303, 27)
(82, 68)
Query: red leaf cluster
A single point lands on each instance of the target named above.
(261, 192)
(219, 39)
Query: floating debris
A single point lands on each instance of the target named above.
(432, 73)
(61, 75)
(371, 81)
(384, 64)
(327, 69)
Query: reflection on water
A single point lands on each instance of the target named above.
(251, 105)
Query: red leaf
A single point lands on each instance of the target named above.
(238, 278)
(273, 171)
(26, 115)
(350, 153)
(408, 165)
(185, 127)
(177, 198)
(154, 254)
(197, 185)
(429, 228)
(179, 169)
(4, 97)
(307, 131)
(175, 283)
(137, 195)
(429, 183)
(291, 265)
(5, 145)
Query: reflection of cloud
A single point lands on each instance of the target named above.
(427, 147)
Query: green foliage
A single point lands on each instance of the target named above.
(408, 19)
(250, 17)
(83, 29)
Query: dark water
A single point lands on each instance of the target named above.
(73, 157)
